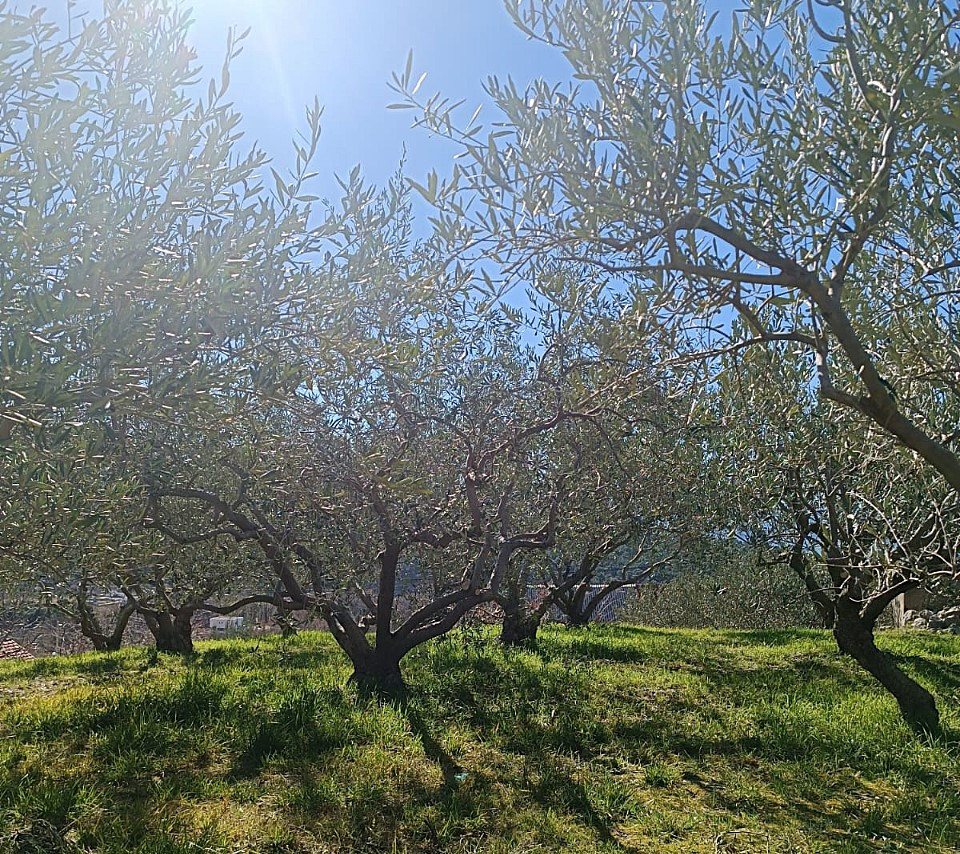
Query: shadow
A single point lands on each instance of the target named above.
(943, 675)
(555, 789)
(639, 644)
(545, 780)
(724, 674)
(434, 750)
(219, 654)
(771, 637)
(534, 734)
(307, 724)
(841, 807)
(95, 664)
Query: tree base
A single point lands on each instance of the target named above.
(519, 631)
(171, 632)
(105, 644)
(917, 705)
(384, 682)
(176, 645)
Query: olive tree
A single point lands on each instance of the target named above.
(78, 540)
(796, 169)
(145, 272)
(140, 253)
(71, 527)
(423, 448)
(628, 519)
(391, 512)
(849, 512)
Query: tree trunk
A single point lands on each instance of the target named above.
(854, 636)
(105, 643)
(172, 633)
(92, 629)
(573, 605)
(377, 672)
(519, 628)
(825, 612)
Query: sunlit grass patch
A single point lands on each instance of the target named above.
(607, 739)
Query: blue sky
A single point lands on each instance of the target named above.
(344, 53)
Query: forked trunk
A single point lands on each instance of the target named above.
(171, 633)
(575, 607)
(105, 643)
(854, 636)
(91, 628)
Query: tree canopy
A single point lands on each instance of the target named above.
(707, 291)
(796, 171)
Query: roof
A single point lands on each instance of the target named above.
(11, 649)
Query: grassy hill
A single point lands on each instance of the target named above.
(612, 739)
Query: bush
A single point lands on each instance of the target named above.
(731, 593)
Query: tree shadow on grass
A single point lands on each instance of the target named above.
(556, 789)
(547, 778)
(640, 645)
(772, 637)
(434, 750)
(308, 723)
(728, 677)
(943, 675)
(624, 644)
(836, 807)
(220, 658)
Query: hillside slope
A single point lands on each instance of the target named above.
(613, 739)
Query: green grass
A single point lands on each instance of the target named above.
(614, 739)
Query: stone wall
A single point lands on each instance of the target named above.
(944, 620)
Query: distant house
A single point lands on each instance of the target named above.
(226, 625)
(10, 649)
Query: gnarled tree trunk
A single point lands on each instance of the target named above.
(379, 674)
(91, 628)
(519, 626)
(579, 606)
(854, 635)
(172, 632)
(520, 620)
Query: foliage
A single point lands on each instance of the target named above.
(796, 171)
(144, 271)
(840, 504)
(724, 588)
(140, 256)
(340, 483)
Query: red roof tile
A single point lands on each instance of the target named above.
(11, 649)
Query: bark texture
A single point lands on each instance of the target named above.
(171, 632)
(519, 628)
(378, 674)
(854, 636)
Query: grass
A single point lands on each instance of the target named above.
(617, 739)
